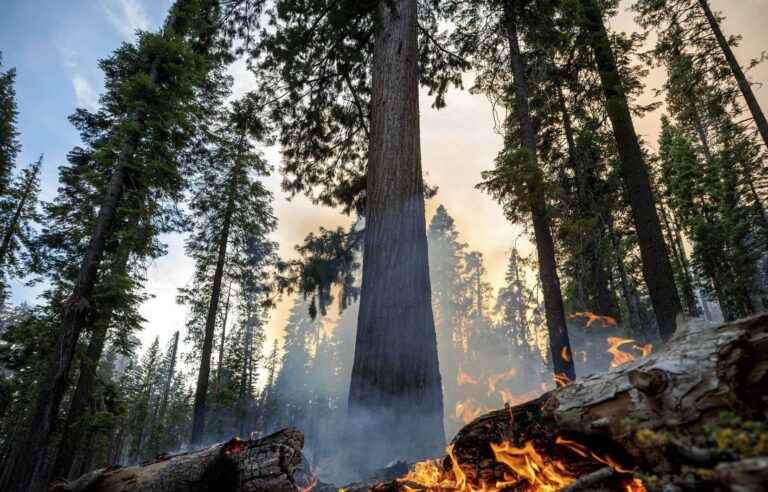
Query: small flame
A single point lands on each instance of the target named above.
(463, 378)
(619, 356)
(584, 452)
(635, 485)
(565, 354)
(468, 410)
(497, 378)
(646, 349)
(562, 379)
(592, 317)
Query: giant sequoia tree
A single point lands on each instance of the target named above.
(345, 78)
(395, 378)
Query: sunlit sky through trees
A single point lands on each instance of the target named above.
(54, 41)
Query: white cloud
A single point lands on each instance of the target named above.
(86, 94)
(127, 16)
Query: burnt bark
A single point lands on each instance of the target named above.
(203, 376)
(263, 465)
(738, 73)
(559, 343)
(396, 386)
(657, 269)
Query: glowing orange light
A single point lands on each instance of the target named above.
(619, 356)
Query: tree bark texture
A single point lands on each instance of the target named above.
(657, 269)
(738, 73)
(263, 465)
(395, 386)
(559, 343)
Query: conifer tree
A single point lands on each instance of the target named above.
(9, 135)
(17, 247)
(225, 228)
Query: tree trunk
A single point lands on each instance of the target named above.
(559, 344)
(738, 73)
(169, 377)
(657, 269)
(201, 393)
(270, 464)
(98, 325)
(220, 362)
(627, 289)
(395, 387)
(10, 231)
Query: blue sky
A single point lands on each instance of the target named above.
(55, 46)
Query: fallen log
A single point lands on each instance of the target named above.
(261, 465)
(649, 416)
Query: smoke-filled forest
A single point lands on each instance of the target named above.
(617, 341)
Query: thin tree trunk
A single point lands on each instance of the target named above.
(73, 432)
(559, 344)
(657, 269)
(679, 253)
(738, 73)
(395, 386)
(169, 377)
(633, 303)
(201, 393)
(220, 362)
(14, 224)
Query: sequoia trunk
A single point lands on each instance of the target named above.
(559, 343)
(395, 387)
(657, 269)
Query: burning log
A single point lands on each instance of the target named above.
(270, 464)
(595, 432)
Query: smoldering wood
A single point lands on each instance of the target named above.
(270, 464)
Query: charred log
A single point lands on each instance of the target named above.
(261, 465)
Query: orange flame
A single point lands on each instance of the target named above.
(646, 349)
(468, 410)
(542, 474)
(565, 354)
(562, 379)
(592, 317)
(497, 378)
(619, 356)
(463, 378)
(584, 452)
(529, 471)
